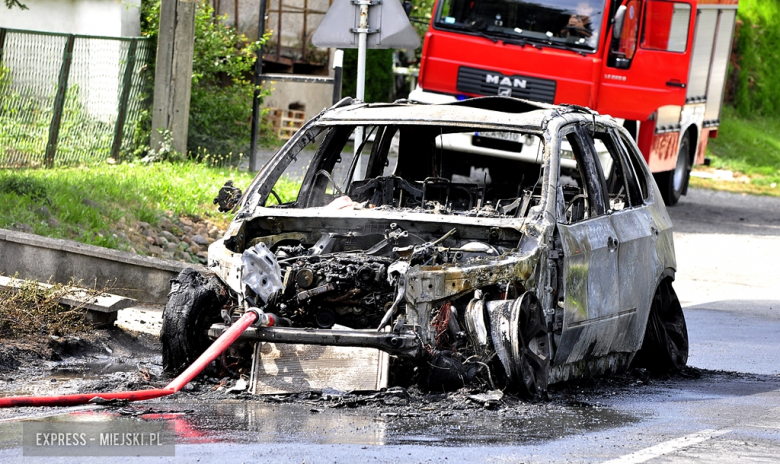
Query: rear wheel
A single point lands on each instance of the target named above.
(194, 303)
(665, 347)
(673, 184)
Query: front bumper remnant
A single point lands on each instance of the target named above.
(405, 343)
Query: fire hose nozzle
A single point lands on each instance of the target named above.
(263, 319)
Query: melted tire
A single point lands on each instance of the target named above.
(194, 303)
(665, 346)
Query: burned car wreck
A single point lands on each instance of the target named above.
(543, 253)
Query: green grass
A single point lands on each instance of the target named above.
(749, 146)
(133, 192)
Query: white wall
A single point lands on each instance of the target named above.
(112, 18)
(96, 71)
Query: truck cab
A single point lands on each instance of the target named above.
(658, 65)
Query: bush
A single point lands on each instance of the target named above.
(222, 91)
(755, 79)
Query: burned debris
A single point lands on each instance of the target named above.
(475, 246)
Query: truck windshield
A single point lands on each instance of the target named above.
(570, 23)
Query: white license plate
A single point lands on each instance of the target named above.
(510, 136)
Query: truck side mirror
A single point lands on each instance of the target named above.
(617, 57)
(617, 28)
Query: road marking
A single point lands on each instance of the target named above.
(647, 454)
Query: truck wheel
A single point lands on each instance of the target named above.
(665, 347)
(674, 183)
(194, 303)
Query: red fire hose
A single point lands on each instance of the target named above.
(216, 348)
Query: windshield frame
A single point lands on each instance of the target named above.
(513, 37)
(277, 167)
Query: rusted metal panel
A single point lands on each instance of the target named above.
(663, 152)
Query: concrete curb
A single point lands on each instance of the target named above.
(143, 278)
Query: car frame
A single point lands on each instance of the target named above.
(578, 284)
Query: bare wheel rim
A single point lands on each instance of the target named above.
(530, 360)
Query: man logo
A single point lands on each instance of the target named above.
(505, 81)
(504, 92)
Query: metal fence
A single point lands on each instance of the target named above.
(68, 99)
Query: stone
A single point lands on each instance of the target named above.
(203, 231)
(142, 225)
(150, 240)
(22, 227)
(43, 212)
(91, 204)
(53, 222)
(155, 250)
(171, 246)
(166, 223)
(160, 241)
(194, 248)
(200, 240)
(187, 240)
(122, 220)
(187, 229)
(169, 236)
(186, 221)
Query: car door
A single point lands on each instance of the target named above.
(637, 237)
(631, 221)
(590, 264)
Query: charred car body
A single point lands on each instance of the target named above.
(526, 269)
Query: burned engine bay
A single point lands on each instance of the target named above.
(414, 289)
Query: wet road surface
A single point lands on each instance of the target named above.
(728, 248)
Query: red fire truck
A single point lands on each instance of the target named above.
(659, 65)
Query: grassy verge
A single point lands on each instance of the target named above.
(750, 147)
(113, 205)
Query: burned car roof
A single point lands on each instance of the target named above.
(456, 114)
(493, 241)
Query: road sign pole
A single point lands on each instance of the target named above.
(392, 29)
(361, 79)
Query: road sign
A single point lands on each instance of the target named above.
(388, 26)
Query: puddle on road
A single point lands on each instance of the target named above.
(262, 423)
(73, 375)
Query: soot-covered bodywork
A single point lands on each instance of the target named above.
(518, 270)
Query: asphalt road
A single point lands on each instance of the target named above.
(728, 247)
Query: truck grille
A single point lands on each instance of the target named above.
(483, 82)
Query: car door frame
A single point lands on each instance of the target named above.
(590, 277)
